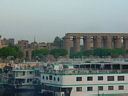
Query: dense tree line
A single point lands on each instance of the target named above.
(57, 52)
(10, 52)
(101, 52)
(58, 42)
(15, 52)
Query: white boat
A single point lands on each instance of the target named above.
(26, 76)
(90, 78)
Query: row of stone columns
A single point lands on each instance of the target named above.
(98, 42)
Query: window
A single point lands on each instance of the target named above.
(110, 78)
(46, 77)
(23, 81)
(30, 80)
(43, 77)
(23, 73)
(110, 87)
(100, 78)
(100, 88)
(89, 88)
(58, 79)
(120, 87)
(89, 78)
(78, 78)
(50, 77)
(27, 80)
(120, 78)
(30, 72)
(78, 88)
(54, 78)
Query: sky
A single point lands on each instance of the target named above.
(46, 19)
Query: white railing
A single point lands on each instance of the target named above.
(83, 71)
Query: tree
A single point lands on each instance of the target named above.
(58, 52)
(40, 53)
(118, 51)
(87, 52)
(13, 51)
(101, 52)
(58, 42)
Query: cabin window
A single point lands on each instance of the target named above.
(54, 78)
(89, 78)
(100, 88)
(89, 88)
(50, 77)
(30, 80)
(100, 78)
(110, 78)
(110, 88)
(43, 77)
(121, 87)
(30, 72)
(78, 89)
(23, 80)
(78, 78)
(23, 73)
(120, 78)
(46, 77)
(27, 80)
(58, 79)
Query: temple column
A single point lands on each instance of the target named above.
(76, 44)
(125, 42)
(118, 42)
(87, 42)
(109, 42)
(104, 42)
(67, 43)
(98, 42)
(30, 54)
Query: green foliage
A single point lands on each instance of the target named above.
(117, 52)
(101, 52)
(10, 51)
(87, 52)
(58, 52)
(58, 42)
(40, 53)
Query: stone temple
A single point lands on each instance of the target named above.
(95, 40)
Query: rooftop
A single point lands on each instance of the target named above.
(87, 67)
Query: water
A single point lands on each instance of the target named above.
(11, 91)
(26, 93)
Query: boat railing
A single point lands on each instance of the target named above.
(83, 71)
(23, 68)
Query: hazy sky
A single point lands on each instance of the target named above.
(45, 19)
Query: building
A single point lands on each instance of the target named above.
(11, 41)
(42, 45)
(95, 40)
(27, 47)
(5, 42)
(88, 78)
(23, 44)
